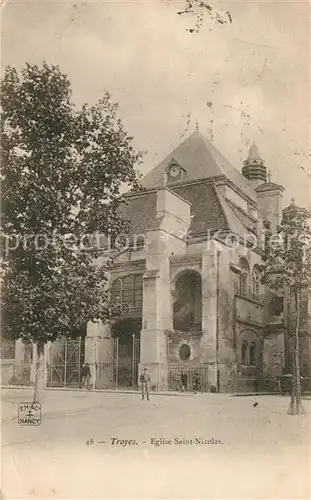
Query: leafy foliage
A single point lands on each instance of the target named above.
(287, 257)
(287, 265)
(62, 173)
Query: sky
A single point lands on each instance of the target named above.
(254, 72)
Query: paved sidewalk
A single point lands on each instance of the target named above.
(160, 393)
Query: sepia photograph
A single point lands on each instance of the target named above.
(155, 249)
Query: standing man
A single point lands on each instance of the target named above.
(145, 381)
(196, 382)
(178, 381)
(86, 376)
(184, 380)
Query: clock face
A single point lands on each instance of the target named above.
(174, 171)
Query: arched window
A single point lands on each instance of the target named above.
(256, 283)
(244, 277)
(244, 353)
(252, 354)
(187, 309)
(128, 290)
(116, 290)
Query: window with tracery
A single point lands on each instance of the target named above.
(128, 290)
(244, 353)
(244, 277)
(252, 354)
(256, 284)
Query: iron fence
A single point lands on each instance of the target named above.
(192, 372)
(64, 362)
(105, 368)
(7, 349)
(109, 370)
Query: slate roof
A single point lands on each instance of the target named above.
(210, 209)
(201, 160)
(247, 221)
(205, 207)
(234, 221)
(140, 210)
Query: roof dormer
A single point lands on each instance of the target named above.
(174, 172)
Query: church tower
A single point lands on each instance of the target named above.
(269, 194)
(254, 168)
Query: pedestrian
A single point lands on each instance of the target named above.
(145, 381)
(184, 380)
(86, 376)
(178, 381)
(196, 382)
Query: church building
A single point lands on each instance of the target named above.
(191, 279)
(188, 272)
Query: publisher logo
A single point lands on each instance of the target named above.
(29, 414)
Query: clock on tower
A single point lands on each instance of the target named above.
(174, 172)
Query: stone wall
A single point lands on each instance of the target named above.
(274, 354)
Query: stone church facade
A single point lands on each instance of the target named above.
(189, 274)
(191, 279)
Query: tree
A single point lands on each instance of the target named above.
(287, 266)
(62, 170)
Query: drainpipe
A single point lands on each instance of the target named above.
(217, 321)
(235, 343)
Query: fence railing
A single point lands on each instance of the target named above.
(7, 349)
(195, 376)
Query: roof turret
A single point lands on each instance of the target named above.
(254, 168)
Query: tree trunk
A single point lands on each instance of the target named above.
(295, 407)
(39, 374)
(291, 409)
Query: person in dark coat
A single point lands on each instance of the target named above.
(86, 376)
(178, 381)
(196, 382)
(145, 381)
(184, 380)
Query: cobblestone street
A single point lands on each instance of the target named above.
(103, 445)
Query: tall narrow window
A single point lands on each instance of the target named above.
(256, 283)
(252, 354)
(116, 290)
(244, 277)
(244, 353)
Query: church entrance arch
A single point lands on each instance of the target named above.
(127, 331)
(187, 308)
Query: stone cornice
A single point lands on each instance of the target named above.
(249, 322)
(176, 260)
(134, 265)
(249, 299)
